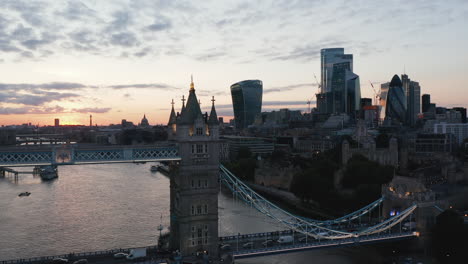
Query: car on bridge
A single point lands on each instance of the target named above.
(268, 242)
(81, 261)
(59, 261)
(120, 255)
(225, 247)
(248, 245)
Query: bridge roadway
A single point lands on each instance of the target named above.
(85, 154)
(240, 247)
(255, 245)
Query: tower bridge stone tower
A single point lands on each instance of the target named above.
(194, 181)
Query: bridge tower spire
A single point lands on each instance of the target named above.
(194, 182)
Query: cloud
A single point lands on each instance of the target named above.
(96, 110)
(288, 87)
(211, 55)
(34, 100)
(14, 111)
(144, 86)
(160, 25)
(31, 110)
(43, 86)
(124, 39)
(211, 93)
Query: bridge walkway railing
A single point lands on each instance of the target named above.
(73, 256)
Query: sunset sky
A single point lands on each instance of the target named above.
(121, 59)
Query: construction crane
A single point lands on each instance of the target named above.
(318, 84)
(377, 95)
(318, 92)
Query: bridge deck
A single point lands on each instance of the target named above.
(87, 154)
(261, 250)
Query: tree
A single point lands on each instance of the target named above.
(360, 170)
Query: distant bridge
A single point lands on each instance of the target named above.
(88, 154)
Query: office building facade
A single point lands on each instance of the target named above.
(340, 87)
(426, 102)
(246, 101)
(460, 131)
(395, 111)
(412, 92)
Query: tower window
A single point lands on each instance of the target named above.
(199, 209)
(206, 209)
(199, 148)
(193, 209)
(199, 131)
(206, 148)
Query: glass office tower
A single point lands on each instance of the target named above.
(246, 101)
(395, 112)
(340, 86)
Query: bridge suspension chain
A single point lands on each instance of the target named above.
(314, 228)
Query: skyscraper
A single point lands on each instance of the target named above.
(246, 101)
(340, 89)
(426, 102)
(395, 111)
(413, 98)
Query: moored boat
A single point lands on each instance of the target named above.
(48, 173)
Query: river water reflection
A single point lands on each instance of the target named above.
(97, 207)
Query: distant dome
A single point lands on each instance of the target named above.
(396, 81)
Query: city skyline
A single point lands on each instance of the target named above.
(126, 59)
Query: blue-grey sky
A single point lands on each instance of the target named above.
(120, 59)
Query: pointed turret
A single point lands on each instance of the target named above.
(213, 120)
(183, 104)
(192, 109)
(172, 117)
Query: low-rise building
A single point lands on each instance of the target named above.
(459, 130)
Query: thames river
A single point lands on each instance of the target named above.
(98, 207)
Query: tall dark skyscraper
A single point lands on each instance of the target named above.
(413, 99)
(395, 112)
(426, 102)
(246, 101)
(340, 92)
